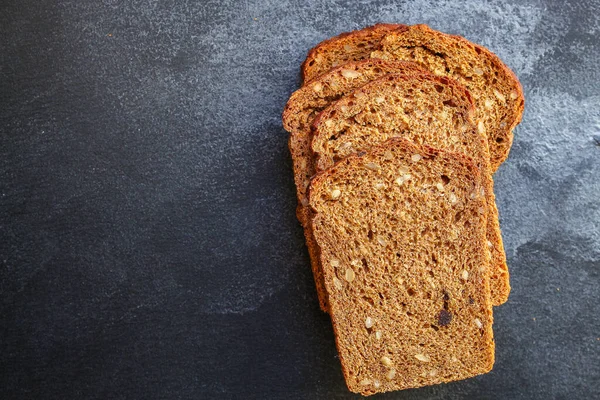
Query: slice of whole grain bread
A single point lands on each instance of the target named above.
(497, 93)
(405, 268)
(425, 109)
(348, 46)
(298, 116)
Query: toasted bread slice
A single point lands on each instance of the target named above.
(349, 46)
(405, 268)
(497, 93)
(298, 116)
(425, 109)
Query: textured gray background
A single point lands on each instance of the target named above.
(148, 244)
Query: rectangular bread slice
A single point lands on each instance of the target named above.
(495, 88)
(425, 109)
(298, 116)
(346, 47)
(406, 268)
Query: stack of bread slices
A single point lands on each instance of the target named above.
(394, 136)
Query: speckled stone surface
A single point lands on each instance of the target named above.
(148, 243)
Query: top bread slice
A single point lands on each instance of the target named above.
(425, 109)
(405, 268)
(497, 93)
(349, 46)
(298, 116)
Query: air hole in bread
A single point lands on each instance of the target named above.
(370, 301)
(450, 103)
(365, 264)
(457, 216)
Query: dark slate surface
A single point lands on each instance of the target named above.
(148, 244)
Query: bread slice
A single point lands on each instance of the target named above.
(495, 89)
(348, 46)
(405, 268)
(298, 116)
(425, 109)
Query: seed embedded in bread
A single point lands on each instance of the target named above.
(391, 374)
(372, 166)
(499, 96)
(349, 275)
(337, 283)
(481, 127)
(422, 357)
(350, 74)
(415, 157)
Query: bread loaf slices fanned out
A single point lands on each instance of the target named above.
(405, 267)
(425, 109)
(298, 116)
(495, 89)
(346, 47)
